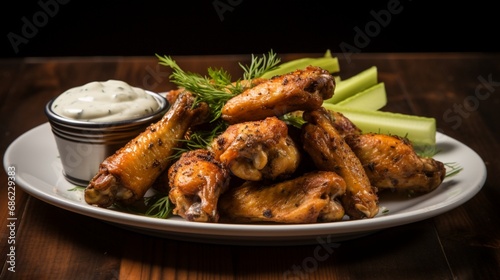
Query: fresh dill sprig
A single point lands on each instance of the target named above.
(427, 151)
(200, 138)
(220, 77)
(294, 119)
(453, 168)
(259, 66)
(215, 90)
(156, 206)
(76, 188)
(159, 206)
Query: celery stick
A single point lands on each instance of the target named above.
(330, 64)
(421, 131)
(372, 98)
(354, 84)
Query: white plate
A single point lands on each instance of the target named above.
(38, 172)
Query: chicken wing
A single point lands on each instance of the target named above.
(300, 90)
(310, 198)
(126, 175)
(343, 125)
(391, 163)
(330, 152)
(196, 181)
(257, 150)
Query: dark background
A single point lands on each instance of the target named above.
(120, 28)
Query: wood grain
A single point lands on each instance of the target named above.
(464, 243)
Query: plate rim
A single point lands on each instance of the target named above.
(240, 232)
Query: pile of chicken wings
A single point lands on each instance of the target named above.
(262, 169)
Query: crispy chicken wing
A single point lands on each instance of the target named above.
(300, 90)
(126, 175)
(307, 199)
(330, 152)
(196, 181)
(257, 150)
(391, 163)
(343, 125)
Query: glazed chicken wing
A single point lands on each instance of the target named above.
(330, 152)
(299, 90)
(391, 163)
(126, 175)
(310, 198)
(196, 181)
(257, 150)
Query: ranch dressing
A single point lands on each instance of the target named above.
(107, 101)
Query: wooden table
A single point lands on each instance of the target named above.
(464, 243)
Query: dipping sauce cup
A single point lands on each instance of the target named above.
(83, 143)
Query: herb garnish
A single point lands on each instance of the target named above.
(455, 168)
(159, 206)
(260, 66)
(217, 88)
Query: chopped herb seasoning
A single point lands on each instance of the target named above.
(111, 100)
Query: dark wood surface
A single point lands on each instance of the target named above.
(463, 243)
